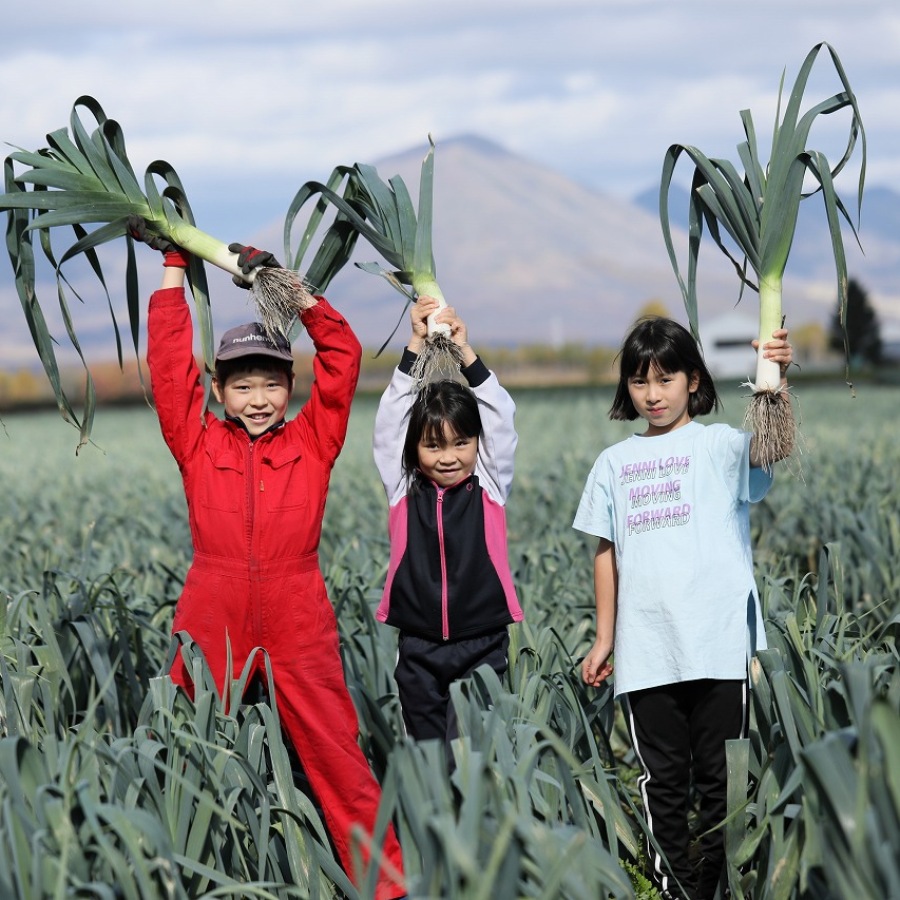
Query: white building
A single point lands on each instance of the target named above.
(726, 345)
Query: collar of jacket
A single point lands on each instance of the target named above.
(239, 423)
(452, 487)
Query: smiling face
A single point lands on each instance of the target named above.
(259, 397)
(447, 457)
(662, 398)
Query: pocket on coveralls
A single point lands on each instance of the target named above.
(222, 481)
(286, 480)
(313, 615)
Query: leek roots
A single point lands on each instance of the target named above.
(439, 358)
(770, 418)
(279, 295)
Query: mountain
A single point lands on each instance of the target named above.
(525, 254)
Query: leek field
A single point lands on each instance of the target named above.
(114, 785)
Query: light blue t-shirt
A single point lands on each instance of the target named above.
(676, 507)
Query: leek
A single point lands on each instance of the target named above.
(84, 178)
(384, 215)
(758, 210)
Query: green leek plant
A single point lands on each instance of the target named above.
(383, 213)
(758, 211)
(84, 178)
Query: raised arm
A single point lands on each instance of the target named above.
(178, 394)
(335, 375)
(498, 441)
(392, 415)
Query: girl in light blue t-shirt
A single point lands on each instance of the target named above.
(674, 588)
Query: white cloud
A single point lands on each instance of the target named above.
(593, 88)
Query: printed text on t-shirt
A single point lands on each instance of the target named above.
(664, 491)
(648, 469)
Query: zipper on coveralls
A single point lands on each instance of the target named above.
(445, 613)
(255, 593)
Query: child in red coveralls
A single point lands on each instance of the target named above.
(256, 486)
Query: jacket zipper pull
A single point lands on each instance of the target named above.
(262, 486)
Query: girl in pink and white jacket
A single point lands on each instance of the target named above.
(445, 455)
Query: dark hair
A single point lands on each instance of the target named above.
(439, 403)
(225, 368)
(669, 347)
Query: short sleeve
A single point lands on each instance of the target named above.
(730, 447)
(760, 482)
(595, 510)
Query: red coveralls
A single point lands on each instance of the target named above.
(255, 511)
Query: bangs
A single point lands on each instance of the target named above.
(639, 359)
(437, 430)
(433, 430)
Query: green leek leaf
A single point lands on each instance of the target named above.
(758, 209)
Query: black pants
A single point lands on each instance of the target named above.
(426, 669)
(679, 733)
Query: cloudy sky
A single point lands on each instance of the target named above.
(249, 100)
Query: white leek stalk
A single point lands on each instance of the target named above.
(768, 372)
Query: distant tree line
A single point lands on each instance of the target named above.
(863, 345)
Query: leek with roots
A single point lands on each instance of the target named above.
(758, 210)
(383, 213)
(84, 178)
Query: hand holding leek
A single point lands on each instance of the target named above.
(249, 259)
(774, 433)
(173, 256)
(778, 352)
(427, 313)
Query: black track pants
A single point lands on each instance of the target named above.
(426, 669)
(679, 733)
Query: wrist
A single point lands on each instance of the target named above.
(173, 277)
(467, 354)
(175, 259)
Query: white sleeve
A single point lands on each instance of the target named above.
(497, 446)
(390, 434)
